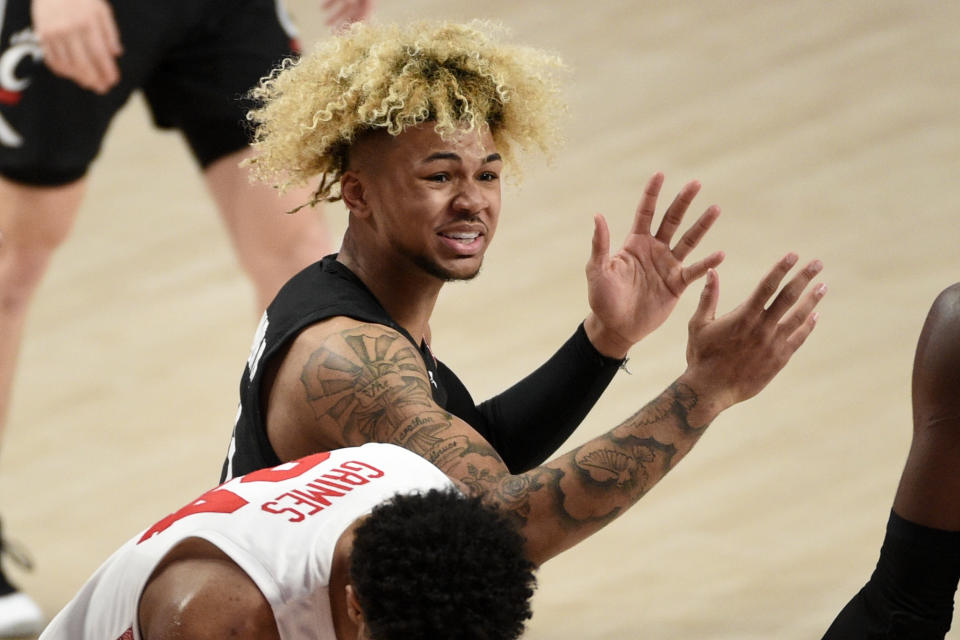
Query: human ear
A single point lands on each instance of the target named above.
(354, 612)
(354, 196)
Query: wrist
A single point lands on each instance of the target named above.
(712, 398)
(606, 342)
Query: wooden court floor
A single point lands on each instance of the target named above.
(828, 128)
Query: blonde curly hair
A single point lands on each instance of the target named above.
(393, 77)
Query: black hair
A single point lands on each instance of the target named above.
(441, 565)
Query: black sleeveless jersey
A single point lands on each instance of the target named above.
(525, 423)
(323, 290)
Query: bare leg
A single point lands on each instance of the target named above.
(271, 245)
(34, 221)
(929, 491)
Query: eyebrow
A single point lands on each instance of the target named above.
(449, 155)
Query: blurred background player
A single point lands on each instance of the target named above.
(66, 68)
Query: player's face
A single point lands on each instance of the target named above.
(436, 202)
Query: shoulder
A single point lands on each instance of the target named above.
(352, 343)
(198, 592)
(326, 287)
(343, 383)
(321, 291)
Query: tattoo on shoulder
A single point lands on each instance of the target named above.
(361, 378)
(371, 383)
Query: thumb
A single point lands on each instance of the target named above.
(600, 246)
(707, 308)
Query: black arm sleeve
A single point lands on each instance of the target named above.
(529, 421)
(910, 594)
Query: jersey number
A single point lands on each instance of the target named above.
(222, 500)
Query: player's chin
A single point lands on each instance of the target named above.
(467, 267)
(453, 270)
(462, 274)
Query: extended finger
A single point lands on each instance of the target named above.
(51, 57)
(80, 63)
(707, 307)
(109, 32)
(697, 269)
(770, 283)
(802, 311)
(648, 204)
(55, 55)
(102, 62)
(675, 212)
(792, 291)
(690, 239)
(803, 332)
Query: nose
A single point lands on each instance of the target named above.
(469, 198)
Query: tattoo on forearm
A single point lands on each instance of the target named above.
(678, 400)
(597, 481)
(631, 457)
(624, 467)
(511, 493)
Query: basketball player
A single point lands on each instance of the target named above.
(66, 68)
(291, 552)
(285, 552)
(910, 594)
(412, 127)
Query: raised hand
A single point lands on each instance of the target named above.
(80, 41)
(733, 357)
(632, 292)
(730, 359)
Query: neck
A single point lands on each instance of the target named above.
(405, 291)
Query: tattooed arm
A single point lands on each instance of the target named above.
(730, 359)
(345, 383)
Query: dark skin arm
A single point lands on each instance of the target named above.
(198, 593)
(344, 383)
(928, 489)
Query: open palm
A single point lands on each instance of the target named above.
(633, 291)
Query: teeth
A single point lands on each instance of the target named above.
(463, 236)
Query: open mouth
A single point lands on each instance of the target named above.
(462, 237)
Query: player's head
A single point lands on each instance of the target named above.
(459, 77)
(440, 565)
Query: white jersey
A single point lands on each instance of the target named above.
(279, 525)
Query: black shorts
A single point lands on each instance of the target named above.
(194, 60)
